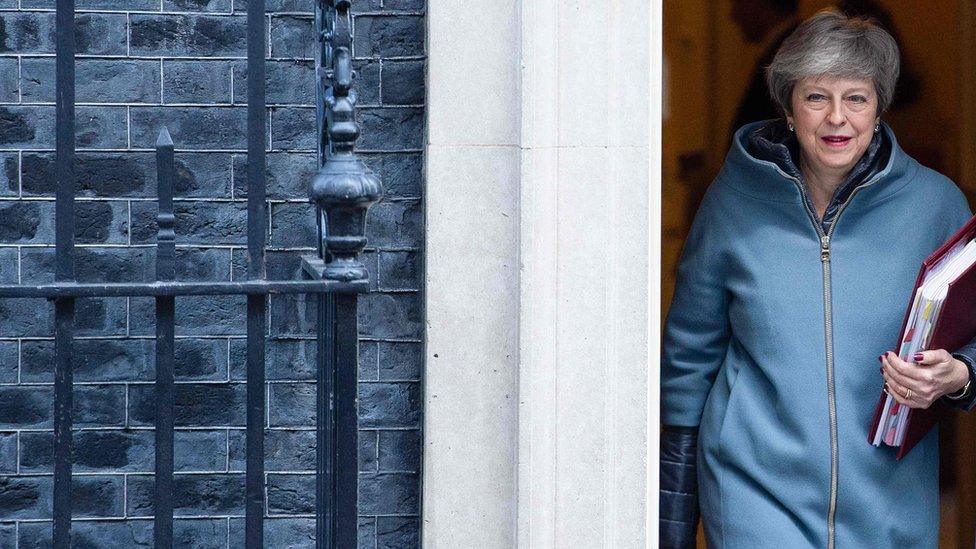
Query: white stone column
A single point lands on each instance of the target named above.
(537, 386)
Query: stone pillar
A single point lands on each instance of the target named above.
(537, 378)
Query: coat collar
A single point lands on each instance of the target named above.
(763, 166)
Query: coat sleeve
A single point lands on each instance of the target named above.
(697, 331)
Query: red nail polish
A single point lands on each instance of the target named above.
(917, 357)
(881, 358)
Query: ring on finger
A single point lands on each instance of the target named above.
(908, 394)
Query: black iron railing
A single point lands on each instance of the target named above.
(342, 190)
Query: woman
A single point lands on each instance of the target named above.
(793, 279)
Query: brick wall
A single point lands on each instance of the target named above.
(142, 64)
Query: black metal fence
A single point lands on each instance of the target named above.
(342, 190)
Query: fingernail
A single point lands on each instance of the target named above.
(881, 358)
(917, 357)
(881, 369)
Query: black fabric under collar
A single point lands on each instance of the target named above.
(774, 142)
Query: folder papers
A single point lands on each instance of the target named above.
(941, 315)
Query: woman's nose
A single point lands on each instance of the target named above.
(836, 115)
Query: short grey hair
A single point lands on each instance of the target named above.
(832, 44)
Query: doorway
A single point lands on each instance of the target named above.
(710, 58)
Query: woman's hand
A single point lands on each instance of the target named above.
(919, 383)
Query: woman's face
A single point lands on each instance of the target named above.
(834, 119)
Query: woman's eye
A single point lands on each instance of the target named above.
(815, 97)
(858, 98)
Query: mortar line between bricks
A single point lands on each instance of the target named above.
(128, 127)
(20, 174)
(20, 79)
(125, 495)
(128, 33)
(162, 99)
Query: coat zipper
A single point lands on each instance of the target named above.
(829, 340)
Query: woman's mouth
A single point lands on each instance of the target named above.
(836, 141)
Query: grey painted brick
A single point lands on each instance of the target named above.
(283, 532)
(9, 81)
(403, 82)
(294, 360)
(293, 36)
(368, 441)
(293, 128)
(197, 5)
(367, 81)
(389, 493)
(368, 360)
(389, 35)
(291, 404)
(33, 32)
(291, 6)
(92, 451)
(401, 173)
(286, 81)
(125, 360)
(196, 222)
(189, 35)
(288, 494)
(128, 451)
(124, 264)
(101, 222)
(284, 450)
(91, 265)
(187, 533)
(391, 316)
(293, 225)
(96, 80)
(190, 127)
(34, 318)
(8, 362)
(8, 536)
(94, 360)
(26, 127)
(97, 174)
(30, 497)
(404, 5)
(8, 454)
(400, 360)
(32, 127)
(390, 404)
(395, 224)
(8, 268)
(288, 175)
(366, 533)
(397, 532)
(199, 450)
(9, 175)
(196, 405)
(192, 495)
(120, 175)
(391, 129)
(195, 315)
(99, 406)
(96, 4)
(400, 270)
(399, 451)
(205, 81)
(100, 128)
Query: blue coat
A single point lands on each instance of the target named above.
(771, 347)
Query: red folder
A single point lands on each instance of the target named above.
(955, 327)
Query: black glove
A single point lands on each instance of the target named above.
(679, 487)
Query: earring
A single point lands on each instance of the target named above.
(877, 127)
(790, 126)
